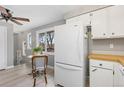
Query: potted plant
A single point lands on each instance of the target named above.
(38, 50)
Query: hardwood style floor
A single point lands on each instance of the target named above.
(19, 77)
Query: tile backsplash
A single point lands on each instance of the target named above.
(103, 46)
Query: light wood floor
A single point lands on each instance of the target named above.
(18, 77)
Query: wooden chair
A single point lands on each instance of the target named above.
(35, 69)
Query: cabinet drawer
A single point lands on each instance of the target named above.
(102, 64)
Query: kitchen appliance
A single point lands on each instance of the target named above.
(71, 54)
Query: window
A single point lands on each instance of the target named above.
(23, 48)
(46, 39)
(42, 40)
(50, 41)
(29, 41)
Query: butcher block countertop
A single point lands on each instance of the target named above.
(106, 57)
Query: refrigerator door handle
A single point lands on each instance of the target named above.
(69, 67)
(80, 44)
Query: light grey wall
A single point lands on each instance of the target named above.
(10, 50)
(15, 47)
(23, 37)
(103, 46)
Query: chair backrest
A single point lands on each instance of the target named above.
(39, 62)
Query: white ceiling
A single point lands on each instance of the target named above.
(39, 14)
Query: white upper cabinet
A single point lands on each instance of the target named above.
(116, 21)
(99, 23)
(106, 23)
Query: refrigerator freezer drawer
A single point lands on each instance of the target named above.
(69, 76)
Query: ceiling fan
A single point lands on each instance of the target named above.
(6, 15)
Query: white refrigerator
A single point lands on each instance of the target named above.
(71, 55)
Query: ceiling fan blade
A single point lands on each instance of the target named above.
(4, 10)
(21, 19)
(16, 22)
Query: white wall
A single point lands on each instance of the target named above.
(9, 43)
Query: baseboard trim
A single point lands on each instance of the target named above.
(8, 67)
(50, 67)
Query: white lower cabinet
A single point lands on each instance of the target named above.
(118, 75)
(106, 74)
(101, 74)
(101, 77)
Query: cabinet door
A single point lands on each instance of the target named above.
(119, 75)
(100, 77)
(99, 24)
(116, 21)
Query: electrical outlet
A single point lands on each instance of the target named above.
(111, 45)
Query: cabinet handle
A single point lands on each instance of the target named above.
(91, 14)
(94, 70)
(113, 33)
(104, 34)
(75, 25)
(91, 35)
(113, 72)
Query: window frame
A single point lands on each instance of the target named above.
(37, 39)
(29, 39)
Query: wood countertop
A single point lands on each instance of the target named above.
(106, 57)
